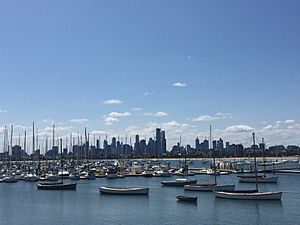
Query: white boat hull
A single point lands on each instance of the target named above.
(178, 182)
(124, 191)
(208, 187)
(10, 179)
(249, 196)
(259, 179)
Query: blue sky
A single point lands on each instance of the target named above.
(236, 65)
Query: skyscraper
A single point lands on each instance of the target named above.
(137, 145)
(163, 142)
(158, 142)
(197, 144)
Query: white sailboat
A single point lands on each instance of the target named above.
(31, 176)
(210, 186)
(57, 185)
(10, 177)
(250, 195)
(260, 179)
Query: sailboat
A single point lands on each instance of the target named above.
(250, 194)
(57, 185)
(210, 186)
(32, 177)
(11, 177)
(183, 181)
(262, 178)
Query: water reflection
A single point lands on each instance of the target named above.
(246, 211)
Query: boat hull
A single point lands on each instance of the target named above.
(209, 187)
(187, 198)
(124, 191)
(249, 196)
(178, 183)
(259, 179)
(56, 186)
(10, 179)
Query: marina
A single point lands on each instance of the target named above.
(86, 202)
(141, 112)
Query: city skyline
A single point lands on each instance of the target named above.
(86, 147)
(127, 67)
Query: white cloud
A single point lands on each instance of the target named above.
(289, 121)
(137, 109)
(160, 114)
(239, 128)
(81, 120)
(268, 127)
(146, 93)
(59, 128)
(110, 120)
(112, 102)
(179, 84)
(21, 127)
(173, 123)
(3, 111)
(48, 121)
(133, 130)
(98, 132)
(204, 118)
(119, 114)
(157, 114)
(218, 116)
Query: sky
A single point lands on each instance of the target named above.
(122, 68)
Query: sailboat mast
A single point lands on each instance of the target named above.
(53, 136)
(11, 138)
(53, 141)
(33, 144)
(210, 137)
(10, 148)
(61, 159)
(254, 152)
(86, 148)
(46, 149)
(4, 141)
(263, 146)
(25, 142)
(24, 149)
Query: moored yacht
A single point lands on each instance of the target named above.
(247, 194)
(124, 190)
(209, 187)
(178, 182)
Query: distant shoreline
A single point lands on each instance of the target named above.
(233, 158)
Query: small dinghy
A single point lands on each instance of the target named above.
(186, 198)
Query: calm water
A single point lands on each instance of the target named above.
(22, 203)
